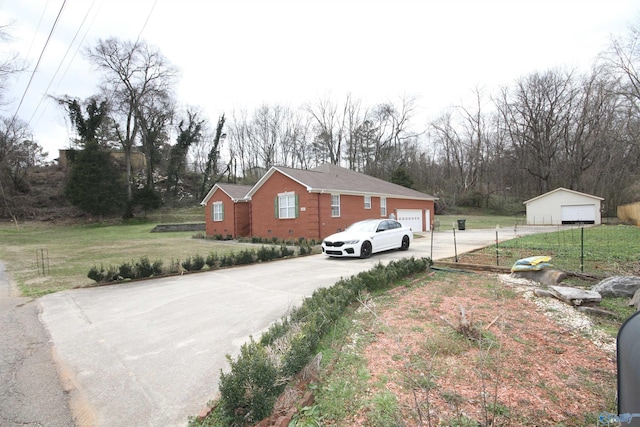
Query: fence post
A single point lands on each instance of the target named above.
(40, 254)
(431, 250)
(455, 246)
(497, 252)
(581, 249)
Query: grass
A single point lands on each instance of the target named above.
(477, 221)
(69, 251)
(602, 250)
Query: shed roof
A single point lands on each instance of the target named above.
(563, 189)
(329, 178)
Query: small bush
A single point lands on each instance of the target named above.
(248, 392)
(126, 271)
(245, 257)
(175, 266)
(228, 260)
(266, 254)
(212, 260)
(143, 268)
(194, 263)
(102, 274)
(285, 251)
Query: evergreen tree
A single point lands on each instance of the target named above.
(94, 183)
(400, 176)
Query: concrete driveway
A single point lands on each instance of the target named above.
(150, 353)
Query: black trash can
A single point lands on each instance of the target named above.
(461, 224)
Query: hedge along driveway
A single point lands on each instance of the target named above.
(150, 352)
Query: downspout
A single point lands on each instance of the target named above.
(319, 220)
(235, 219)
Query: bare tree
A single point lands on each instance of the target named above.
(534, 112)
(328, 131)
(135, 75)
(18, 153)
(10, 65)
(392, 125)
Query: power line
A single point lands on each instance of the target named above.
(146, 22)
(44, 95)
(44, 48)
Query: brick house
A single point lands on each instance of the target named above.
(292, 203)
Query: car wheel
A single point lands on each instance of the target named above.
(405, 243)
(365, 249)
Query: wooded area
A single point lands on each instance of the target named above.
(578, 130)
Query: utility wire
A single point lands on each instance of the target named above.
(44, 95)
(153, 6)
(33, 39)
(44, 48)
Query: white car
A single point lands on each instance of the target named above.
(363, 238)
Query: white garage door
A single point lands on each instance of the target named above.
(411, 218)
(578, 213)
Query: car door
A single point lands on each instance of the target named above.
(395, 233)
(384, 237)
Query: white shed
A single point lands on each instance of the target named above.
(562, 206)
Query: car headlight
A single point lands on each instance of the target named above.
(351, 242)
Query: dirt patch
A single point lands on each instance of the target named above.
(519, 367)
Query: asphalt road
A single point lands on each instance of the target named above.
(30, 390)
(150, 353)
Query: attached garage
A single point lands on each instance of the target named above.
(411, 218)
(563, 206)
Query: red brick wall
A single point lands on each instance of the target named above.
(352, 210)
(242, 219)
(236, 217)
(314, 217)
(263, 220)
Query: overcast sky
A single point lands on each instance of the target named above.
(236, 54)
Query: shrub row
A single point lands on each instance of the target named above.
(145, 268)
(275, 241)
(260, 372)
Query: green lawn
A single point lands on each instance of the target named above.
(70, 251)
(603, 250)
(447, 222)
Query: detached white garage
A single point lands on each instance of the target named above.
(562, 206)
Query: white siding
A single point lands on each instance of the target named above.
(547, 209)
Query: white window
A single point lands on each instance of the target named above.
(367, 202)
(383, 206)
(217, 211)
(286, 206)
(335, 205)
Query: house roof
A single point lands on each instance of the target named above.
(328, 178)
(562, 189)
(236, 192)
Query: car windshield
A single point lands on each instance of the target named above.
(365, 226)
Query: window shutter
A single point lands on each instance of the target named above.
(297, 207)
(222, 212)
(275, 203)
